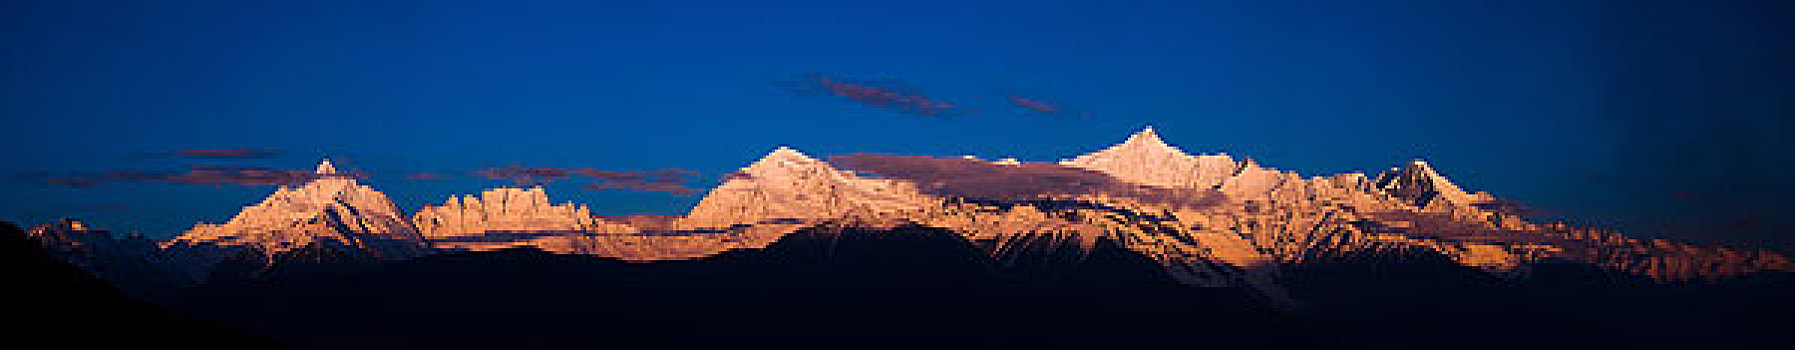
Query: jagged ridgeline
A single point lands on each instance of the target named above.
(1205, 220)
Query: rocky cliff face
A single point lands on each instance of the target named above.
(502, 210)
(332, 213)
(468, 223)
(1422, 187)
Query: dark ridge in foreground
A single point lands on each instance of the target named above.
(54, 304)
(1423, 300)
(909, 286)
(814, 289)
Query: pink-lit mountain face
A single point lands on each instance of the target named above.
(333, 214)
(1206, 220)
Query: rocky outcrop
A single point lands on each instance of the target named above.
(333, 212)
(469, 222)
(502, 210)
(1418, 184)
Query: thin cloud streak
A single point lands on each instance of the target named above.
(969, 178)
(198, 174)
(889, 95)
(1042, 105)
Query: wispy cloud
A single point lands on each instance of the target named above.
(202, 174)
(1512, 207)
(885, 94)
(527, 175)
(74, 181)
(669, 187)
(1042, 105)
(968, 178)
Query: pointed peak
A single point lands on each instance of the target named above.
(1418, 168)
(784, 152)
(779, 158)
(324, 168)
(1149, 139)
(1418, 181)
(1144, 143)
(1145, 135)
(1245, 164)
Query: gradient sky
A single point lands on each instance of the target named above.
(1665, 118)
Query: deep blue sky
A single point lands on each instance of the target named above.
(1599, 111)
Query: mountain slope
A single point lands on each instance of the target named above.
(1294, 220)
(776, 195)
(789, 186)
(332, 212)
(1146, 159)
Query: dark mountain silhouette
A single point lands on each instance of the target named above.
(54, 304)
(132, 263)
(817, 288)
(1423, 300)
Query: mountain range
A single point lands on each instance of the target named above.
(1197, 220)
(1210, 220)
